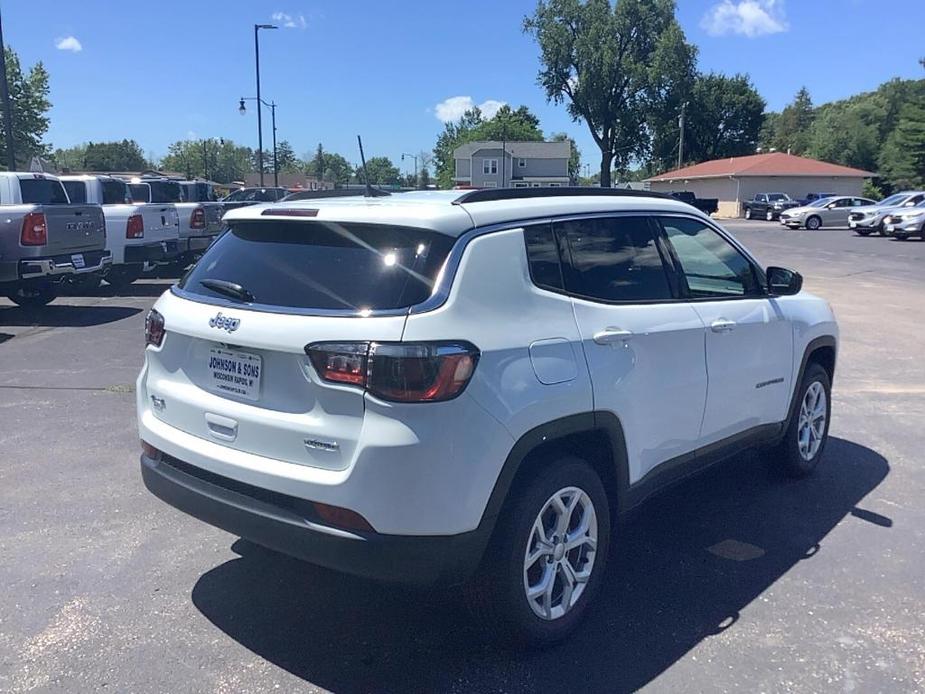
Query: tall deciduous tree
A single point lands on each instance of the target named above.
(616, 66)
(29, 108)
(124, 155)
(723, 118)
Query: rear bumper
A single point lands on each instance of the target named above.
(163, 251)
(279, 522)
(54, 266)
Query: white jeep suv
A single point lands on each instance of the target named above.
(468, 387)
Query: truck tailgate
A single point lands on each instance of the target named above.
(160, 221)
(73, 228)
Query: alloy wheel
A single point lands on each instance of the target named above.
(559, 556)
(811, 426)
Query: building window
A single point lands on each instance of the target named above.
(522, 163)
(520, 184)
(489, 166)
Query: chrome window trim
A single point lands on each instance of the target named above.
(447, 274)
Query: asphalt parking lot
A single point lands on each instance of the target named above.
(738, 580)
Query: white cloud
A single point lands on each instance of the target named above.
(453, 108)
(68, 43)
(289, 21)
(750, 18)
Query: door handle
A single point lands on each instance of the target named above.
(722, 325)
(609, 336)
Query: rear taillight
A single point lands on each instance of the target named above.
(135, 228)
(154, 329)
(398, 372)
(197, 219)
(34, 230)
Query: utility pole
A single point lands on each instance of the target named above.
(681, 139)
(7, 107)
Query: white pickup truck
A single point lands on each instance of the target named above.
(44, 238)
(200, 221)
(135, 234)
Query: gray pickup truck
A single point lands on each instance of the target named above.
(44, 238)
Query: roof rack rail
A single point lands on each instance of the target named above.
(333, 193)
(491, 194)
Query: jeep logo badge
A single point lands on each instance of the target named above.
(224, 323)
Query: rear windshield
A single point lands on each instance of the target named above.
(114, 192)
(42, 191)
(323, 265)
(198, 192)
(140, 192)
(76, 191)
(165, 191)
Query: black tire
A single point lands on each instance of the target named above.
(122, 276)
(748, 213)
(787, 453)
(862, 232)
(813, 223)
(34, 295)
(901, 237)
(883, 232)
(769, 215)
(496, 595)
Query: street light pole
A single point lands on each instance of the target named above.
(7, 110)
(242, 109)
(257, 28)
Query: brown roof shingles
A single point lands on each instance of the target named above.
(770, 164)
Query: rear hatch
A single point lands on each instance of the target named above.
(235, 371)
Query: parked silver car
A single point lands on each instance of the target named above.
(828, 212)
(866, 220)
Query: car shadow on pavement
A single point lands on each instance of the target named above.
(136, 289)
(682, 568)
(64, 316)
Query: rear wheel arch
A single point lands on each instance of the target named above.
(595, 437)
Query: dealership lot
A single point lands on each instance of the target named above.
(736, 580)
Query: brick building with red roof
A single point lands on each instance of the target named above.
(736, 179)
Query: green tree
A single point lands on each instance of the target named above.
(336, 169)
(219, 160)
(792, 131)
(29, 108)
(318, 165)
(723, 118)
(454, 134)
(617, 65)
(124, 155)
(574, 162)
(382, 172)
(902, 160)
(286, 159)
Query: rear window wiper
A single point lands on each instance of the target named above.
(232, 289)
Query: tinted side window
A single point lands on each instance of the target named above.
(614, 259)
(712, 266)
(76, 191)
(543, 257)
(114, 192)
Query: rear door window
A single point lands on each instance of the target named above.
(114, 192)
(324, 265)
(614, 259)
(76, 191)
(42, 191)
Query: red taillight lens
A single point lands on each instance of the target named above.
(398, 372)
(135, 229)
(154, 329)
(34, 230)
(197, 219)
(341, 517)
(340, 362)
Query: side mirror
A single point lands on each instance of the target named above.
(783, 282)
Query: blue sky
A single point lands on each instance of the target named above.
(168, 70)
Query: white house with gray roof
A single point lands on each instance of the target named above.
(496, 164)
